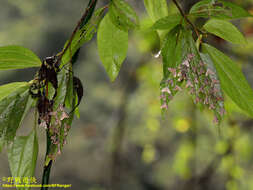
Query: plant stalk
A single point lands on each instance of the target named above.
(47, 168)
(185, 17)
(84, 20)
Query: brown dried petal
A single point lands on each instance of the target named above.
(214, 81)
(43, 124)
(170, 82)
(53, 113)
(186, 63)
(201, 63)
(190, 56)
(194, 69)
(206, 101)
(57, 121)
(211, 106)
(173, 71)
(222, 111)
(164, 106)
(166, 89)
(178, 88)
(201, 71)
(64, 116)
(188, 84)
(215, 120)
(61, 107)
(209, 72)
(59, 150)
(67, 126)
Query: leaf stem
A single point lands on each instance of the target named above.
(83, 20)
(47, 168)
(185, 17)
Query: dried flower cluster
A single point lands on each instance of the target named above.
(200, 80)
(58, 128)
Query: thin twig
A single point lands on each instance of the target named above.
(84, 19)
(47, 168)
(185, 17)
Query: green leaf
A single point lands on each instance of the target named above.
(89, 12)
(156, 9)
(65, 93)
(123, 15)
(172, 50)
(83, 35)
(112, 46)
(17, 57)
(22, 156)
(62, 88)
(6, 90)
(236, 11)
(225, 30)
(233, 82)
(209, 63)
(71, 99)
(202, 8)
(189, 47)
(69, 93)
(167, 23)
(13, 108)
(218, 9)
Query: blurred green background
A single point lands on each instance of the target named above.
(121, 138)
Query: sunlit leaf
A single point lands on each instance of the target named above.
(13, 108)
(62, 88)
(6, 90)
(236, 11)
(112, 46)
(68, 101)
(218, 9)
(232, 79)
(167, 23)
(172, 50)
(17, 57)
(123, 15)
(200, 79)
(224, 30)
(156, 9)
(22, 156)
